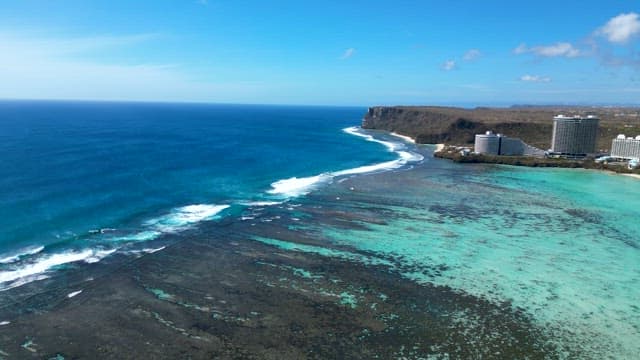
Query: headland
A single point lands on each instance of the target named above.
(455, 129)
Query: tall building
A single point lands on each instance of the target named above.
(497, 144)
(574, 135)
(626, 147)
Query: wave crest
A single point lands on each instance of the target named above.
(183, 217)
(37, 269)
(21, 254)
(293, 187)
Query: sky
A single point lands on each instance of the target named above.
(469, 53)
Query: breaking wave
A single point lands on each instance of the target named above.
(294, 187)
(33, 264)
(38, 268)
(40, 262)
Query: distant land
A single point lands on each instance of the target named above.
(531, 123)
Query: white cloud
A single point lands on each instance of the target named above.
(521, 49)
(535, 78)
(449, 65)
(560, 49)
(57, 68)
(348, 53)
(471, 55)
(621, 28)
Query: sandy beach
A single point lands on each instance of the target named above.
(439, 147)
(636, 176)
(404, 137)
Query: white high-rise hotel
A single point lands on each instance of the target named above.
(626, 147)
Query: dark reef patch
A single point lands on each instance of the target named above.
(216, 292)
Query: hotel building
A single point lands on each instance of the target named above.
(626, 147)
(497, 144)
(574, 135)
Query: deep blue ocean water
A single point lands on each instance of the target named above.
(79, 181)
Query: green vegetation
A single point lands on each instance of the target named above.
(452, 154)
(457, 126)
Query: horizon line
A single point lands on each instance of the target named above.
(466, 105)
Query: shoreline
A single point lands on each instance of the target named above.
(434, 124)
(635, 176)
(532, 162)
(439, 146)
(404, 137)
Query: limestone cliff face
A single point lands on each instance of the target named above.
(426, 125)
(431, 125)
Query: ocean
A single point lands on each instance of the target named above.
(431, 258)
(82, 180)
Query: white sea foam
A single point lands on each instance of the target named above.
(99, 255)
(33, 269)
(22, 253)
(36, 270)
(72, 294)
(183, 217)
(3, 323)
(145, 251)
(101, 231)
(398, 148)
(151, 251)
(261, 203)
(410, 157)
(294, 186)
(177, 220)
(141, 236)
(404, 137)
(388, 165)
(391, 146)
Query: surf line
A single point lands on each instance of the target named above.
(294, 186)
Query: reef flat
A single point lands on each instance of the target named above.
(265, 291)
(432, 260)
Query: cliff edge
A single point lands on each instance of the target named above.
(457, 126)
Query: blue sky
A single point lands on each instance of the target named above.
(329, 52)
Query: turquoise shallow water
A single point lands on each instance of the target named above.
(562, 245)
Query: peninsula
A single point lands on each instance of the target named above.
(457, 127)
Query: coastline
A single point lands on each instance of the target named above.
(404, 137)
(439, 146)
(453, 154)
(367, 258)
(435, 124)
(635, 176)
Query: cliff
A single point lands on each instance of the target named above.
(457, 126)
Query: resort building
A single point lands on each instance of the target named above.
(626, 147)
(574, 135)
(497, 144)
